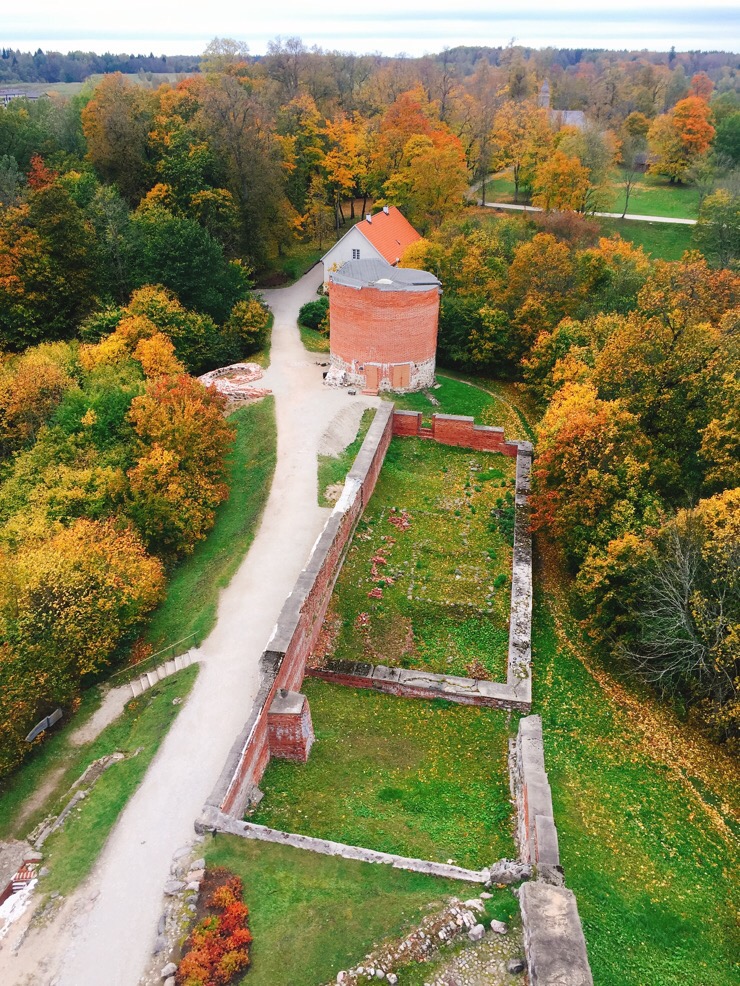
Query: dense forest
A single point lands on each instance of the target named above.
(134, 218)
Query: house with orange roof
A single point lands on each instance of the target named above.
(383, 236)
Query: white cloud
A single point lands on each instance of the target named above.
(417, 26)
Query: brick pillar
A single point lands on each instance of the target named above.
(289, 727)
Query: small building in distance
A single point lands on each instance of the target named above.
(383, 236)
(560, 118)
(383, 327)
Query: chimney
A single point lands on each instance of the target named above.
(385, 209)
(369, 217)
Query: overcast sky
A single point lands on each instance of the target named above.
(413, 26)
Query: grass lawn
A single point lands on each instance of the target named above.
(313, 915)
(333, 469)
(423, 779)
(447, 608)
(313, 341)
(71, 853)
(193, 586)
(651, 195)
(662, 241)
(644, 817)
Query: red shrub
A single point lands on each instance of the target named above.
(218, 947)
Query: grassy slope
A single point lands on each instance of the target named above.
(426, 779)
(333, 469)
(449, 604)
(313, 915)
(194, 585)
(313, 341)
(643, 816)
(71, 852)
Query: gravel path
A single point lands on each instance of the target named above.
(106, 932)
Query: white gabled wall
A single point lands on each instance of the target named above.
(341, 252)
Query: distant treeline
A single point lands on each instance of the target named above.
(53, 66)
(76, 66)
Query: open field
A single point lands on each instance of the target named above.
(71, 853)
(313, 915)
(651, 195)
(424, 779)
(426, 582)
(661, 241)
(194, 584)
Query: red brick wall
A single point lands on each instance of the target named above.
(369, 325)
(291, 672)
(451, 429)
(290, 736)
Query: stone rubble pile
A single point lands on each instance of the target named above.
(437, 930)
(178, 914)
(235, 381)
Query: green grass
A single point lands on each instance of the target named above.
(662, 241)
(312, 915)
(651, 195)
(71, 853)
(642, 840)
(422, 779)
(448, 607)
(194, 585)
(313, 341)
(333, 469)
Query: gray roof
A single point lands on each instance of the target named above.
(378, 274)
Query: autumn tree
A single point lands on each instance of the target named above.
(717, 231)
(48, 272)
(678, 138)
(687, 613)
(522, 138)
(178, 480)
(431, 181)
(591, 474)
(65, 605)
(116, 122)
(561, 182)
(31, 388)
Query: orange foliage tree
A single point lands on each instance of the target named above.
(178, 480)
(591, 474)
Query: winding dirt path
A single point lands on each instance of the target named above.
(106, 931)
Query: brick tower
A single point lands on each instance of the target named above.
(383, 322)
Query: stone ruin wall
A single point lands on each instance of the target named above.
(555, 946)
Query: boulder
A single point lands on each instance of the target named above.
(169, 970)
(198, 864)
(476, 933)
(500, 927)
(515, 966)
(173, 887)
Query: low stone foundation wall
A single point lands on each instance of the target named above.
(553, 937)
(426, 685)
(213, 820)
(283, 662)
